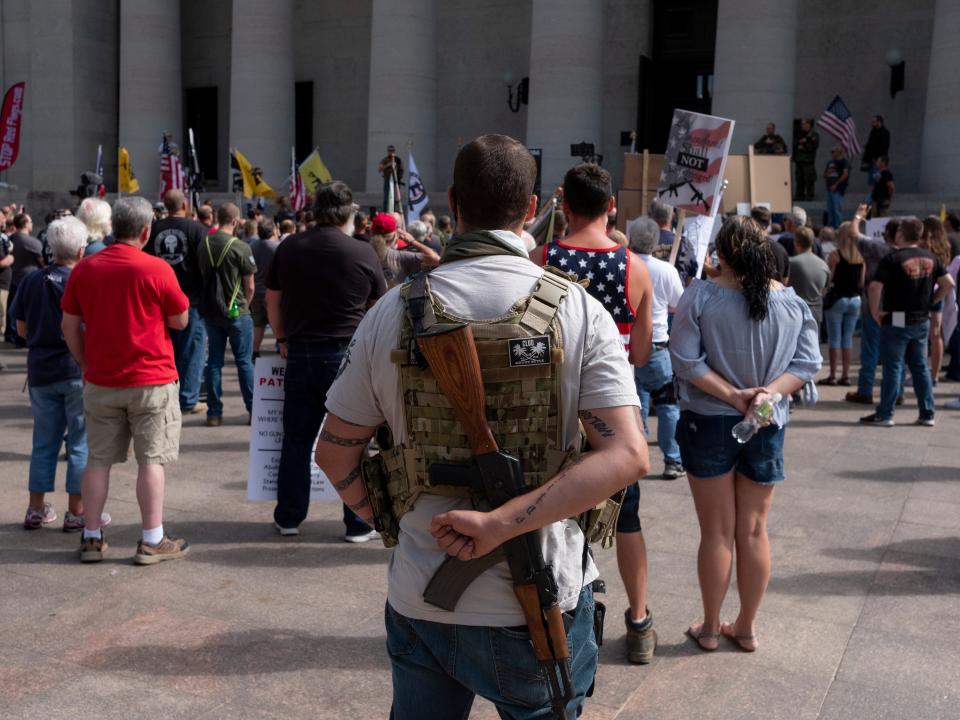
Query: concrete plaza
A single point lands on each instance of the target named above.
(861, 619)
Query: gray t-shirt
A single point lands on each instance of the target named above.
(712, 330)
(873, 250)
(26, 253)
(263, 251)
(809, 277)
(595, 374)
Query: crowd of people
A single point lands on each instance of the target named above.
(126, 312)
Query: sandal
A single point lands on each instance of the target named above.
(698, 635)
(827, 381)
(747, 643)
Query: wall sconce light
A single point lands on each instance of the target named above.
(897, 65)
(522, 89)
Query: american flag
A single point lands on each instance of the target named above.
(171, 171)
(838, 121)
(298, 195)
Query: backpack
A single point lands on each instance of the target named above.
(213, 299)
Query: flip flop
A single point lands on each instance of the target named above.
(739, 640)
(701, 635)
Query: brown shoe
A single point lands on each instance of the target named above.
(214, 420)
(91, 549)
(860, 398)
(200, 407)
(170, 548)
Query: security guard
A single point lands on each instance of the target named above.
(805, 156)
(550, 355)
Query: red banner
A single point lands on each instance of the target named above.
(10, 126)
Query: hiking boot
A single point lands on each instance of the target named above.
(200, 407)
(673, 470)
(875, 419)
(170, 548)
(641, 639)
(859, 398)
(214, 420)
(91, 549)
(74, 523)
(35, 519)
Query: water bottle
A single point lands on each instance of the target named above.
(761, 416)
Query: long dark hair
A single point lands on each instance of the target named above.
(743, 245)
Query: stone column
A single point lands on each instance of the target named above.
(151, 94)
(262, 86)
(754, 67)
(940, 154)
(566, 83)
(403, 88)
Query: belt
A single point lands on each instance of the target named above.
(661, 345)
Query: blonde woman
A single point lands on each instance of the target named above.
(847, 272)
(95, 214)
(935, 240)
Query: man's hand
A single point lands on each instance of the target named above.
(743, 400)
(467, 534)
(283, 350)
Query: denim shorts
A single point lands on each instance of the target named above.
(709, 449)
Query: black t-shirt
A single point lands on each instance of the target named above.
(909, 276)
(781, 259)
(6, 274)
(176, 240)
(881, 193)
(833, 173)
(327, 279)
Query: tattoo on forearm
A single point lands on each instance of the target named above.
(348, 480)
(342, 441)
(597, 424)
(532, 508)
(357, 507)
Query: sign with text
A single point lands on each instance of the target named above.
(875, 228)
(266, 436)
(10, 118)
(694, 161)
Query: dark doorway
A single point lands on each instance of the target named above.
(200, 113)
(303, 119)
(680, 73)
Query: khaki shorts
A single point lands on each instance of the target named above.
(258, 311)
(149, 414)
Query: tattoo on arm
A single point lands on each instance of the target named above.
(348, 480)
(342, 441)
(532, 508)
(597, 424)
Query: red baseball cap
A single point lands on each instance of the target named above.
(383, 224)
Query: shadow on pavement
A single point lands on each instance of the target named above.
(909, 473)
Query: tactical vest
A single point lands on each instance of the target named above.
(521, 353)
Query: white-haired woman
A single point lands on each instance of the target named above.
(95, 215)
(56, 388)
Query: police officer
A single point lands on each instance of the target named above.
(805, 156)
(551, 356)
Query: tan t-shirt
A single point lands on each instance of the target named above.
(595, 374)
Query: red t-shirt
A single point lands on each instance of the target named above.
(124, 296)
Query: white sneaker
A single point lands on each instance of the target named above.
(286, 531)
(952, 404)
(361, 538)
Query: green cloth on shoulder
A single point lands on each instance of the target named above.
(477, 244)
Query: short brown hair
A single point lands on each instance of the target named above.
(227, 213)
(911, 229)
(174, 200)
(803, 238)
(493, 179)
(587, 189)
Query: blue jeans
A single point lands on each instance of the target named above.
(57, 408)
(834, 209)
(655, 382)
(311, 370)
(869, 352)
(905, 345)
(841, 320)
(188, 349)
(438, 669)
(239, 332)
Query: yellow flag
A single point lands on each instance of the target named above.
(127, 180)
(314, 172)
(943, 213)
(253, 182)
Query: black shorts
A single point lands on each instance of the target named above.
(629, 519)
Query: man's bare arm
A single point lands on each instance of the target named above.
(873, 295)
(72, 327)
(340, 449)
(619, 457)
(945, 284)
(248, 288)
(22, 329)
(179, 322)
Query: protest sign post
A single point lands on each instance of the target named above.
(266, 436)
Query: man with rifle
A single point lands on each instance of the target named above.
(476, 377)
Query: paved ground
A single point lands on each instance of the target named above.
(861, 619)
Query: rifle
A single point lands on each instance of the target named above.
(498, 476)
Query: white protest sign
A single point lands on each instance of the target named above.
(700, 231)
(875, 228)
(266, 436)
(694, 161)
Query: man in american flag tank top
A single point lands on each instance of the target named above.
(619, 280)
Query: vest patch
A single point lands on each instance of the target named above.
(530, 351)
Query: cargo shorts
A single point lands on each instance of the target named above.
(149, 414)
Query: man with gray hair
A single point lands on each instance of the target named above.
(53, 376)
(686, 263)
(131, 387)
(655, 379)
(793, 221)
